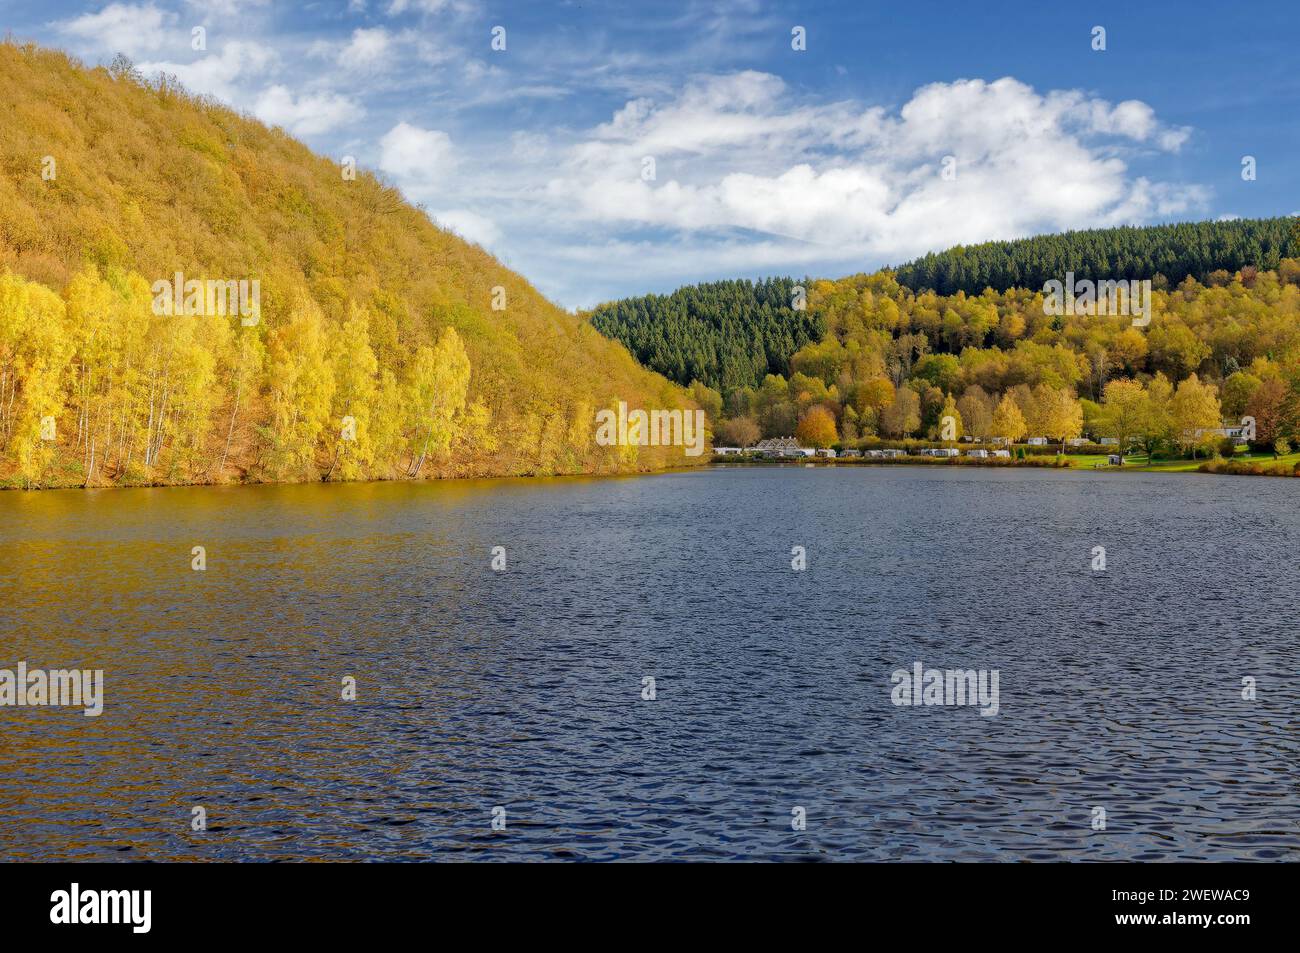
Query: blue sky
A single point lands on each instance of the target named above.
(901, 128)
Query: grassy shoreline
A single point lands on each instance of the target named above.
(1242, 465)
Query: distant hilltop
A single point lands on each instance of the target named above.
(1170, 252)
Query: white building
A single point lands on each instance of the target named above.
(1238, 434)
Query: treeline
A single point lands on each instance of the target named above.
(894, 363)
(725, 334)
(1172, 252)
(384, 347)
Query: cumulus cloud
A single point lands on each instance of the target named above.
(133, 29)
(306, 114)
(752, 177)
(739, 151)
(417, 158)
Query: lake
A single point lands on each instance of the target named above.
(518, 695)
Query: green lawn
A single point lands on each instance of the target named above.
(1138, 461)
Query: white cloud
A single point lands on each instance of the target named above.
(374, 50)
(132, 29)
(471, 225)
(739, 152)
(225, 7)
(220, 74)
(417, 158)
(528, 146)
(398, 7)
(369, 49)
(307, 114)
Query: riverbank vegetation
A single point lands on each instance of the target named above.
(383, 346)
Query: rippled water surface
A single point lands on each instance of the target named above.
(1119, 689)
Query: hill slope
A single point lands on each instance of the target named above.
(725, 334)
(383, 346)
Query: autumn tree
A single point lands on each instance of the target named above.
(710, 400)
(355, 387)
(301, 392)
(738, 432)
(34, 350)
(438, 388)
(1175, 349)
(1196, 414)
(950, 421)
(1008, 422)
(1062, 415)
(1157, 422)
(1238, 388)
(817, 427)
(1124, 410)
(902, 417)
(1266, 405)
(976, 410)
(874, 395)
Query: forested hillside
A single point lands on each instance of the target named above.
(893, 362)
(383, 346)
(726, 334)
(1175, 252)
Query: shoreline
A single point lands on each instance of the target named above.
(161, 485)
(1252, 467)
